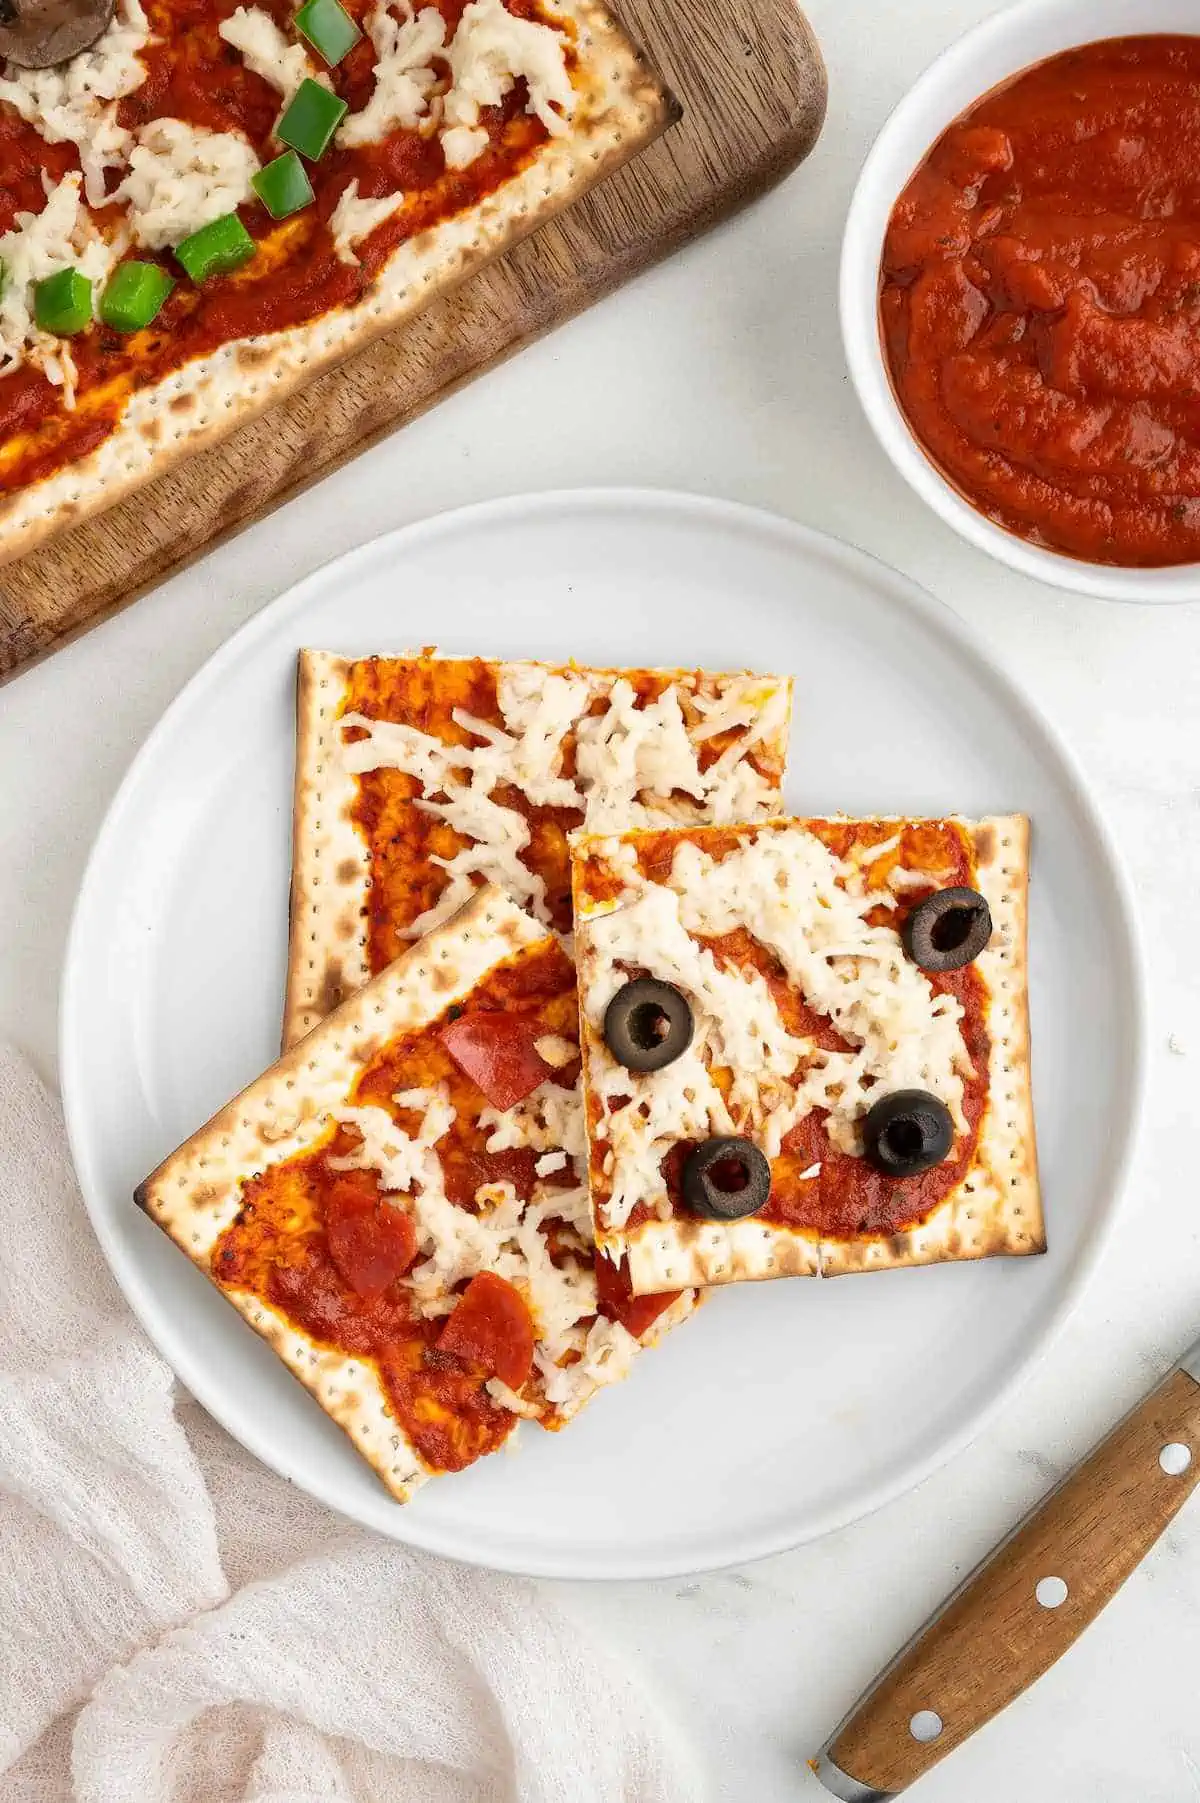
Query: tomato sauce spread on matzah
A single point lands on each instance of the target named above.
(296, 276)
(846, 1196)
(322, 1245)
(404, 840)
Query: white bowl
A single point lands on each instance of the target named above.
(1000, 47)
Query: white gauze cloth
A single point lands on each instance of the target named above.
(177, 1625)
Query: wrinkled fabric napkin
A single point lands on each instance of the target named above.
(178, 1625)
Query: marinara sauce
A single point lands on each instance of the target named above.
(1040, 302)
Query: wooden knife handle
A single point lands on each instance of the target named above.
(1003, 1628)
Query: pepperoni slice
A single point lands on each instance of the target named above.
(492, 1328)
(497, 1052)
(371, 1241)
(465, 1170)
(615, 1299)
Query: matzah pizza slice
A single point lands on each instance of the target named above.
(806, 1046)
(399, 1207)
(215, 202)
(419, 777)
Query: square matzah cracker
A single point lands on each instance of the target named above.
(420, 777)
(416, 1248)
(785, 940)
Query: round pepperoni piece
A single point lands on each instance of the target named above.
(498, 1053)
(371, 1240)
(492, 1328)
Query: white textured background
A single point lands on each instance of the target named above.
(722, 372)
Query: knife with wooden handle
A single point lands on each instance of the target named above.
(1027, 1603)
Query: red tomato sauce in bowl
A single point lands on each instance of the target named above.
(1040, 303)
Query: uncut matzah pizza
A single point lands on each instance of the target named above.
(806, 1046)
(419, 777)
(215, 200)
(398, 1206)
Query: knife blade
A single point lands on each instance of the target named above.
(1027, 1602)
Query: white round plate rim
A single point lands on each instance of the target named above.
(410, 1525)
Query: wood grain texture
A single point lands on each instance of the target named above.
(752, 84)
(994, 1638)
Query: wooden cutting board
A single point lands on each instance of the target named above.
(752, 84)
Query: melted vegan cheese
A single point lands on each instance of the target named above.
(789, 892)
(490, 51)
(182, 177)
(636, 763)
(506, 1236)
(62, 236)
(404, 74)
(77, 103)
(353, 219)
(267, 51)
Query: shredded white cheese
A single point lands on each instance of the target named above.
(636, 765)
(404, 74)
(549, 1120)
(62, 236)
(490, 51)
(608, 1354)
(182, 177)
(267, 51)
(790, 893)
(423, 83)
(462, 145)
(354, 219)
(505, 1237)
(76, 103)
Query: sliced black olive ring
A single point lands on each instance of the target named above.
(907, 1132)
(948, 929)
(647, 1024)
(726, 1179)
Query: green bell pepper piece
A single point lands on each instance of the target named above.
(62, 303)
(215, 249)
(329, 29)
(311, 119)
(135, 296)
(283, 186)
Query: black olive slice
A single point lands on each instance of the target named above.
(948, 929)
(647, 1024)
(38, 34)
(726, 1179)
(907, 1132)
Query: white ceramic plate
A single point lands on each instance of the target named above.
(784, 1409)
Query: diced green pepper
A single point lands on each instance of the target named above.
(215, 249)
(62, 303)
(311, 119)
(283, 186)
(329, 29)
(135, 296)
